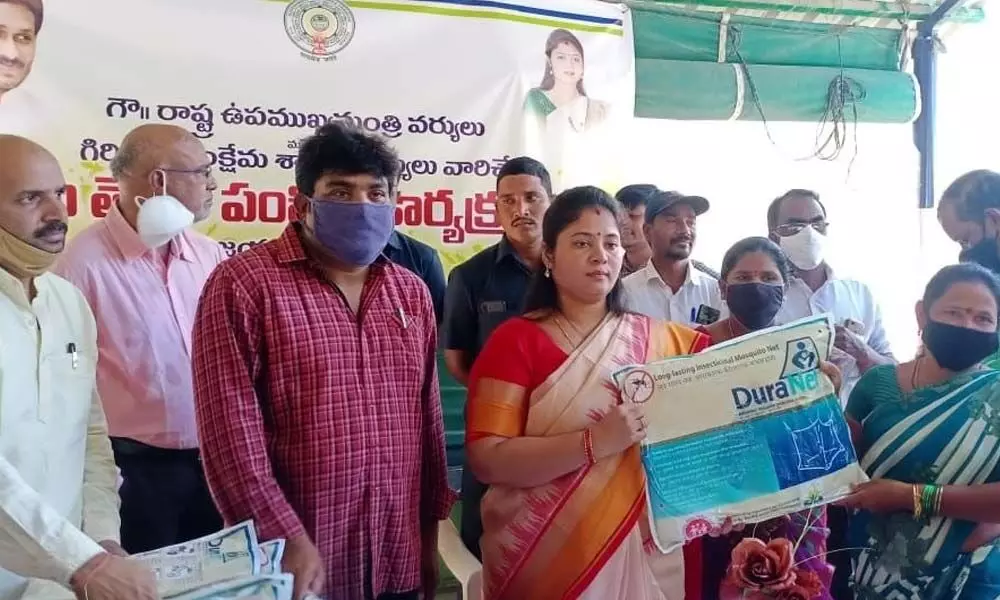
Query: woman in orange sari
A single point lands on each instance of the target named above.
(565, 515)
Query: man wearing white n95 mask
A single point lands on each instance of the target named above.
(58, 504)
(143, 269)
(797, 222)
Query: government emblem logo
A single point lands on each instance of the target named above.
(319, 28)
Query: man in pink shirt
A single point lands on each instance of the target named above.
(142, 270)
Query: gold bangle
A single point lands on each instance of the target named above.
(937, 500)
(918, 507)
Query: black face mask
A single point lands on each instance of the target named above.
(958, 348)
(754, 304)
(985, 253)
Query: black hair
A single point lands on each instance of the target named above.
(340, 147)
(525, 165)
(557, 37)
(35, 6)
(638, 194)
(756, 244)
(775, 207)
(973, 193)
(947, 277)
(565, 210)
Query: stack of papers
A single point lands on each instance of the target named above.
(227, 564)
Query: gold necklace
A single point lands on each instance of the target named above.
(573, 326)
(558, 321)
(579, 335)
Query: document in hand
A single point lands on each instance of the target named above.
(261, 587)
(270, 557)
(747, 430)
(226, 564)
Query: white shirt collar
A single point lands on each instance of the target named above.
(830, 278)
(12, 287)
(693, 275)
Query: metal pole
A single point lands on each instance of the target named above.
(925, 71)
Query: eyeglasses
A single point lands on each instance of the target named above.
(790, 229)
(205, 171)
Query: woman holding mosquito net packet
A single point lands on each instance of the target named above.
(928, 434)
(755, 275)
(565, 515)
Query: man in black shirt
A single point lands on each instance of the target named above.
(422, 260)
(489, 288)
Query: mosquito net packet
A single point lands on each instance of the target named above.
(747, 430)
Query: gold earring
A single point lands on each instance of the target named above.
(548, 273)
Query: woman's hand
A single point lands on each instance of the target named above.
(880, 496)
(830, 370)
(621, 427)
(983, 534)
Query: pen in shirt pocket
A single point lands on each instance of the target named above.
(402, 318)
(73, 356)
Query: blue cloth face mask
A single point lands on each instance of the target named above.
(355, 233)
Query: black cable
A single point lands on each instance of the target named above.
(842, 98)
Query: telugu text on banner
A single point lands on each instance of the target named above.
(457, 85)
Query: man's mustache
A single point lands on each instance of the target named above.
(11, 62)
(682, 240)
(524, 220)
(50, 228)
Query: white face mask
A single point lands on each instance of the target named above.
(161, 218)
(805, 249)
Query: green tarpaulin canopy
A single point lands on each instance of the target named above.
(735, 59)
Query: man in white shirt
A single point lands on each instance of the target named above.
(633, 199)
(797, 222)
(24, 111)
(20, 21)
(58, 502)
(672, 286)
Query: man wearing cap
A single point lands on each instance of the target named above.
(671, 286)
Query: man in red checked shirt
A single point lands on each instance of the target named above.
(316, 385)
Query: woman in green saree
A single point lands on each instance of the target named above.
(928, 432)
(561, 95)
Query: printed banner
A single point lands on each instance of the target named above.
(457, 85)
(749, 430)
